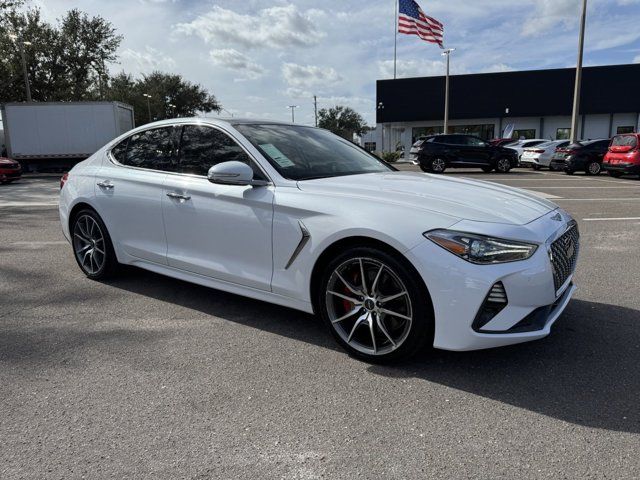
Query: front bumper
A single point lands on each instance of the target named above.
(459, 289)
(628, 168)
(10, 174)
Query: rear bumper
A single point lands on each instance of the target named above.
(629, 168)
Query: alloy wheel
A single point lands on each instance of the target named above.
(594, 168)
(438, 165)
(89, 244)
(504, 165)
(369, 306)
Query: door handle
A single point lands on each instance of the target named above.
(105, 184)
(178, 196)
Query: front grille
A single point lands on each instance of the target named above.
(564, 255)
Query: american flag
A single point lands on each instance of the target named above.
(413, 21)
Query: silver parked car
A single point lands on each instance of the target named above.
(520, 145)
(540, 155)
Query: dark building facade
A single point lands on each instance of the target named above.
(538, 103)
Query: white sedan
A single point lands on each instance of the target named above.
(392, 261)
(541, 155)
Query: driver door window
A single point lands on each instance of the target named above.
(202, 147)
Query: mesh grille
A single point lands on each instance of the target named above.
(564, 254)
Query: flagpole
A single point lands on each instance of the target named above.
(446, 53)
(576, 92)
(395, 39)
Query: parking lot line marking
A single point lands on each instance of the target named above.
(541, 194)
(28, 204)
(600, 199)
(607, 188)
(609, 219)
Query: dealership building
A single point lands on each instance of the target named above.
(535, 103)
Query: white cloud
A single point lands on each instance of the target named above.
(411, 68)
(238, 61)
(550, 13)
(637, 59)
(497, 67)
(147, 60)
(275, 27)
(309, 75)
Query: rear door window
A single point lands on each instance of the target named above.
(153, 149)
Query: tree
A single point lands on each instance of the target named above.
(165, 90)
(65, 62)
(343, 121)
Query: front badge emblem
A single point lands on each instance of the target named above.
(557, 217)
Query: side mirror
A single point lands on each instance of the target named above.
(231, 173)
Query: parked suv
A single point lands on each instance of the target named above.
(623, 155)
(439, 152)
(585, 155)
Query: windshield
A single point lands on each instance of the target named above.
(303, 153)
(624, 141)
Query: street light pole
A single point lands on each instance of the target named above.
(576, 91)
(21, 45)
(148, 105)
(446, 53)
(381, 110)
(293, 117)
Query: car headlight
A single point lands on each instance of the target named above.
(481, 249)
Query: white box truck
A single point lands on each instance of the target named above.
(43, 134)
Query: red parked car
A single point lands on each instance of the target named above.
(623, 155)
(10, 170)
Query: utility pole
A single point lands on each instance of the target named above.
(576, 91)
(293, 117)
(148, 105)
(315, 108)
(21, 44)
(446, 53)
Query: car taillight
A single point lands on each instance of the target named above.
(537, 151)
(63, 180)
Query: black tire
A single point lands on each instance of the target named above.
(503, 165)
(615, 174)
(552, 168)
(536, 167)
(418, 333)
(424, 168)
(487, 169)
(108, 267)
(593, 168)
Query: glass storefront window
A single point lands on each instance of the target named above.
(526, 134)
(486, 132)
(563, 134)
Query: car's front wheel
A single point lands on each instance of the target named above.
(375, 305)
(92, 245)
(503, 165)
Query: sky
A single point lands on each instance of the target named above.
(260, 56)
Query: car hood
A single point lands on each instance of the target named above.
(7, 162)
(462, 198)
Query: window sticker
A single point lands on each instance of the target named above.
(277, 156)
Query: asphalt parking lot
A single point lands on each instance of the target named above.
(149, 377)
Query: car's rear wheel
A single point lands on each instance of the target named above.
(593, 168)
(437, 165)
(615, 174)
(375, 305)
(92, 246)
(503, 165)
